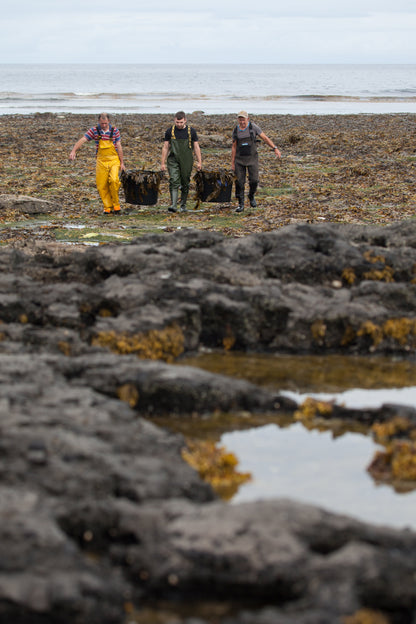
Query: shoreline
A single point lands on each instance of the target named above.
(200, 112)
(288, 106)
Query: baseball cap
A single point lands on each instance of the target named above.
(243, 114)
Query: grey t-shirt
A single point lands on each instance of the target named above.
(245, 134)
(246, 153)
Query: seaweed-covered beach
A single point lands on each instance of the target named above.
(334, 168)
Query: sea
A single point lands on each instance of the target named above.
(26, 89)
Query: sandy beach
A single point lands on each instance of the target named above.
(336, 168)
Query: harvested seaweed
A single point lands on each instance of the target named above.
(140, 186)
(214, 185)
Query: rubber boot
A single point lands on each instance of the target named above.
(184, 197)
(174, 200)
(240, 206)
(252, 190)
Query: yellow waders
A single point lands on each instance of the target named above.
(106, 175)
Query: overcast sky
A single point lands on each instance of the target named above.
(217, 31)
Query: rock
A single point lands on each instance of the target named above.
(277, 291)
(214, 140)
(24, 204)
(99, 512)
(64, 447)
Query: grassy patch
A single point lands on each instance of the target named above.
(284, 189)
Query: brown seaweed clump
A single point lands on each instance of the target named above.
(397, 463)
(392, 333)
(366, 616)
(216, 466)
(141, 187)
(214, 185)
(164, 344)
(311, 409)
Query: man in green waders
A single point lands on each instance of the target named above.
(179, 147)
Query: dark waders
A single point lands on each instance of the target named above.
(180, 162)
(246, 161)
(253, 180)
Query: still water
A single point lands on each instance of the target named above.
(319, 467)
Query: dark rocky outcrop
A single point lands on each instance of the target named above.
(99, 513)
(305, 288)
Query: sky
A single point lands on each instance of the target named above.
(218, 31)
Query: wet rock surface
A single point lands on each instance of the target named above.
(99, 512)
(303, 288)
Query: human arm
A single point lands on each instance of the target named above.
(120, 154)
(270, 144)
(76, 147)
(165, 150)
(197, 152)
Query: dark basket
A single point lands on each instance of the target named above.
(214, 186)
(141, 187)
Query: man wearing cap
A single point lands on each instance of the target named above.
(245, 158)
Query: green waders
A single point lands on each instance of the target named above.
(180, 162)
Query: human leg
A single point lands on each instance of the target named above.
(184, 197)
(114, 184)
(101, 179)
(253, 181)
(252, 190)
(185, 183)
(174, 183)
(240, 174)
(174, 193)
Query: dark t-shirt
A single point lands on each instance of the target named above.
(181, 134)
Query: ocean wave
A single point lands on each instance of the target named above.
(12, 103)
(74, 97)
(349, 98)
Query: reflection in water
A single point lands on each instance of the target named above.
(310, 373)
(361, 398)
(314, 466)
